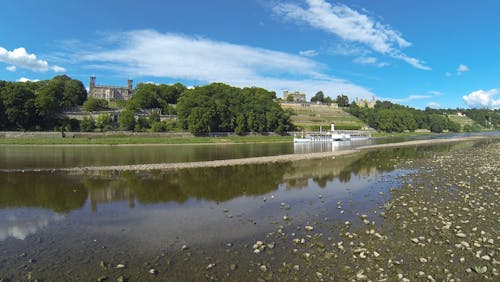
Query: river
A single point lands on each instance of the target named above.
(190, 224)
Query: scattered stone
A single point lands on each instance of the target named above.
(153, 271)
(308, 228)
(210, 266)
(486, 257)
(120, 265)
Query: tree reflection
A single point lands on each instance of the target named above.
(63, 192)
(57, 192)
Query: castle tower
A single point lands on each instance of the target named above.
(129, 85)
(91, 86)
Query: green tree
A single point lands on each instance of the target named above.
(19, 105)
(154, 117)
(74, 93)
(92, 104)
(159, 126)
(437, 123)
(103, 122)
(141, 124)
(453, 126)
(343, 101)
(127, 120)
(318, 97)
(87, 124)
(199, 122)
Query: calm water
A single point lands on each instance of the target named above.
(32, 157)
(57, 226)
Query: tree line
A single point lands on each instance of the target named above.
(389, 117)
(37, 105)
(216, 107)
(201, 110)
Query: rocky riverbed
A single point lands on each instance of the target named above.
(437, 219)
(441, 223)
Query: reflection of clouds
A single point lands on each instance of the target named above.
(21, 223)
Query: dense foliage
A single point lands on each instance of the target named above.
(201, 110)
(388, 117)
(219, 107)
(148, 96)
(37, 105)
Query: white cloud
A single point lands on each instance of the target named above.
(433, 105)
(347, 49)
(20, 58)
(351, 26)
(150, 53)
(24, 79)
(11, 68)
(448, 74)
(308, 53)
(482, 99)
(461, 69)
(435, 93)
(369, 61)
(407, 99)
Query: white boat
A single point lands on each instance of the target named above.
(322, 138)
(327, 136)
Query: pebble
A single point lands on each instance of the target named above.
(210, 266)
(486, 257)
(153, 271)
(120, 265)
(308, 228)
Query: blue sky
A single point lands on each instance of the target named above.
(442, 54)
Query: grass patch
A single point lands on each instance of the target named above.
(116, 140)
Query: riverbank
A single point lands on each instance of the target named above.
(425, 213)
(253, 160)
(131, 140)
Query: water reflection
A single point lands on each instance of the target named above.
(63, 193)
(19, 224)
(312, 147)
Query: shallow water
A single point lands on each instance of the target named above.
(56, 226)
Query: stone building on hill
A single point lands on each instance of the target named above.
(296, 97)
(110, 93)
(366, 103)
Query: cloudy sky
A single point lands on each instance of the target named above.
(441, 54)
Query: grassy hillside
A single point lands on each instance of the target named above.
(463, 121)
(313, 116)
